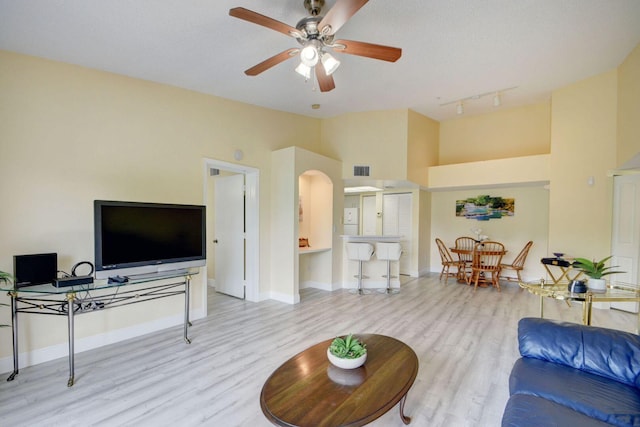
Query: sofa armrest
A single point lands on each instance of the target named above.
(606, 352)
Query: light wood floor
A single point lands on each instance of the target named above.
(465, 342)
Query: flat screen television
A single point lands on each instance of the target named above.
(134, 238)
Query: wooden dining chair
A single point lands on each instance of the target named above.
(487, 257)
(447, 261)
(466, 245)
(517, 264)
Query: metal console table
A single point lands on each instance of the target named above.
(73, 300)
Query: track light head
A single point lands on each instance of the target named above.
(496, 100)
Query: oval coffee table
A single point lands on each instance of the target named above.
(307, 390)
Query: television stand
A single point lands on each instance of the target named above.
(79, 299)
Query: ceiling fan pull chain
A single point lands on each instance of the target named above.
(313, 79)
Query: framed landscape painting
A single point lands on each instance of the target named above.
(485, 207)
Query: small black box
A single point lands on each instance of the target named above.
(73, 280)
(35, 269)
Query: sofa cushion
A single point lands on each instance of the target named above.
(525, 410)
(610, 353)
(589, 394)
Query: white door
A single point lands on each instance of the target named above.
(229, 235)
(625, 243)
(397, 221)
(369, 215)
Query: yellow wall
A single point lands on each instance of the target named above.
(376, 138)
(629, 107)
(424, 230)
(70, 135)
(513, 132)
(422, 147)
(530, 222)
(583, 144)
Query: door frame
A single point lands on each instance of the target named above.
(252, 221)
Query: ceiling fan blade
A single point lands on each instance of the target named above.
(325, 82)
(271, 62)
(339, 14)
(370, 50)
(265, 21)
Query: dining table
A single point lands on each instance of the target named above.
(464, 255)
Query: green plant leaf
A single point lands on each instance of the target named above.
(348, 347)
(596, 269)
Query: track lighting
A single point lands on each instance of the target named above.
(330, 63)
(496, 99)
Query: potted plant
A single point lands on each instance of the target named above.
(596, 270)
(347, 352)
(5, 277)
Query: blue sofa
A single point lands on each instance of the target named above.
(573, 375)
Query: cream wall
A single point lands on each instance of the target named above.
(71, 135)
(583, 144)
(629, 107)
(287, 165)
(422, 147)
(424, 231)
(374, 138)
(530, 222)
(512, 132)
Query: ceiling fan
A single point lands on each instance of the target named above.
(316, 35)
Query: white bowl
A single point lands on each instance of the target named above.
(346, 363)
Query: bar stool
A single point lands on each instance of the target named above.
(360, 252)
(388, 252)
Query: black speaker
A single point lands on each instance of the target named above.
(35, 269)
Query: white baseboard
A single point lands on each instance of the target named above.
(286, 298)
(57, 351)
(317, 285)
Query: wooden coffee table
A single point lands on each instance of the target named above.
(307, 390)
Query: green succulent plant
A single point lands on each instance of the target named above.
(595, 269)
(5, 277)
(348, 347)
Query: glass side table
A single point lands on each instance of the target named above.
(614, 293)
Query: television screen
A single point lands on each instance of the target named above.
(136, 238)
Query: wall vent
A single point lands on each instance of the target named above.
(361, 171)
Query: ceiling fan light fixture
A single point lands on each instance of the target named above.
(304, 70)
(309, 55)
(330, 63)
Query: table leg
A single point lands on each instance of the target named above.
(403, 417)
(586, 314)
(187, 282)
(70, 309)
(14, 332)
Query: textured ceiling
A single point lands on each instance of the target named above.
(452, 49)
